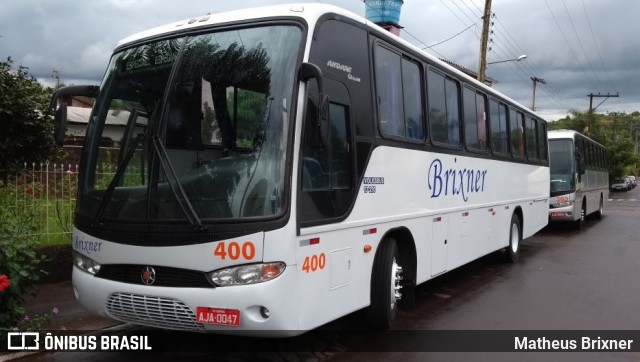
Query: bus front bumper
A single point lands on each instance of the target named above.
(563, 214)
(262, 309)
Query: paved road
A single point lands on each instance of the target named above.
(566, 280)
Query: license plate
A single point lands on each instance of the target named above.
(219, 316)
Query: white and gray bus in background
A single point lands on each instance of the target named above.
(284, 166)
(579, 177)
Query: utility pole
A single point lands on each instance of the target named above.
(590, 115)
(605, 96)
(535, 81)
(56, 74)
(484, 40)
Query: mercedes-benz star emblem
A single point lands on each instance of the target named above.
(148, 275)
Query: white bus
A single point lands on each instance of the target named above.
(286, 166)
(579, 177)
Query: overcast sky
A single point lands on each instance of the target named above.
(577, 46)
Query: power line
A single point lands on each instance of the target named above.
(465, 13)
(526, 69)
(518, 69)
(580, 43)
(456, 15)
(586, 14)
(446, 40)
(567, 42)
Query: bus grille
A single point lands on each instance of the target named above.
(164, 276)
(152, 311)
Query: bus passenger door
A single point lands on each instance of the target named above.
(328, 176)
(325, 194)
(439, 247)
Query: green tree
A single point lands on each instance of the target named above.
(26, 129)
(577, 121)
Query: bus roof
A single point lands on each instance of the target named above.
(567, 133)
(561, 133)
(310, 12)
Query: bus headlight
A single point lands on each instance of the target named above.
(85, 264)
(246, 274)
(563, 204)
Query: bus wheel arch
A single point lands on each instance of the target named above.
(392, 277)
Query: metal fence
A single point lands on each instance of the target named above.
(48, 192)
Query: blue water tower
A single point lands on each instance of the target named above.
(383, 12)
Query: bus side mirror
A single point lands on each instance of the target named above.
(318, 125)
(60, 112)
(60, 124)
(580, 163)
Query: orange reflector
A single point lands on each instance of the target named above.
(367, 248)
(270, 270)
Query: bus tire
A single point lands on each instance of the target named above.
(385, 286)
(579, 224)
(512, 252)
(600, 212)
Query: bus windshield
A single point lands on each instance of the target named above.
(192, 129)
(561, 165)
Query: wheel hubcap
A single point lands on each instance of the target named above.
(396, 277)
(515, 238)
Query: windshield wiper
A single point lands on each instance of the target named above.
(106, 197)
(176, 187)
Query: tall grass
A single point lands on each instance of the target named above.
(46, 191)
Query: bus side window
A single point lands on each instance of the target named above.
(412, 90)
(399, 95)
(444, 117)
(531, 138)
(499, 131)
(517, 133)
(542, 140)
(475, 128)
(389, 88)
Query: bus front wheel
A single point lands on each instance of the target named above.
(579, 224)
(385, 286)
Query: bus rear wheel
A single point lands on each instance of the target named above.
(512, 252)
(385, 286)
(600, 212)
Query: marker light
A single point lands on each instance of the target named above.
(563, 204)
(246, 274)
(85, 264)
